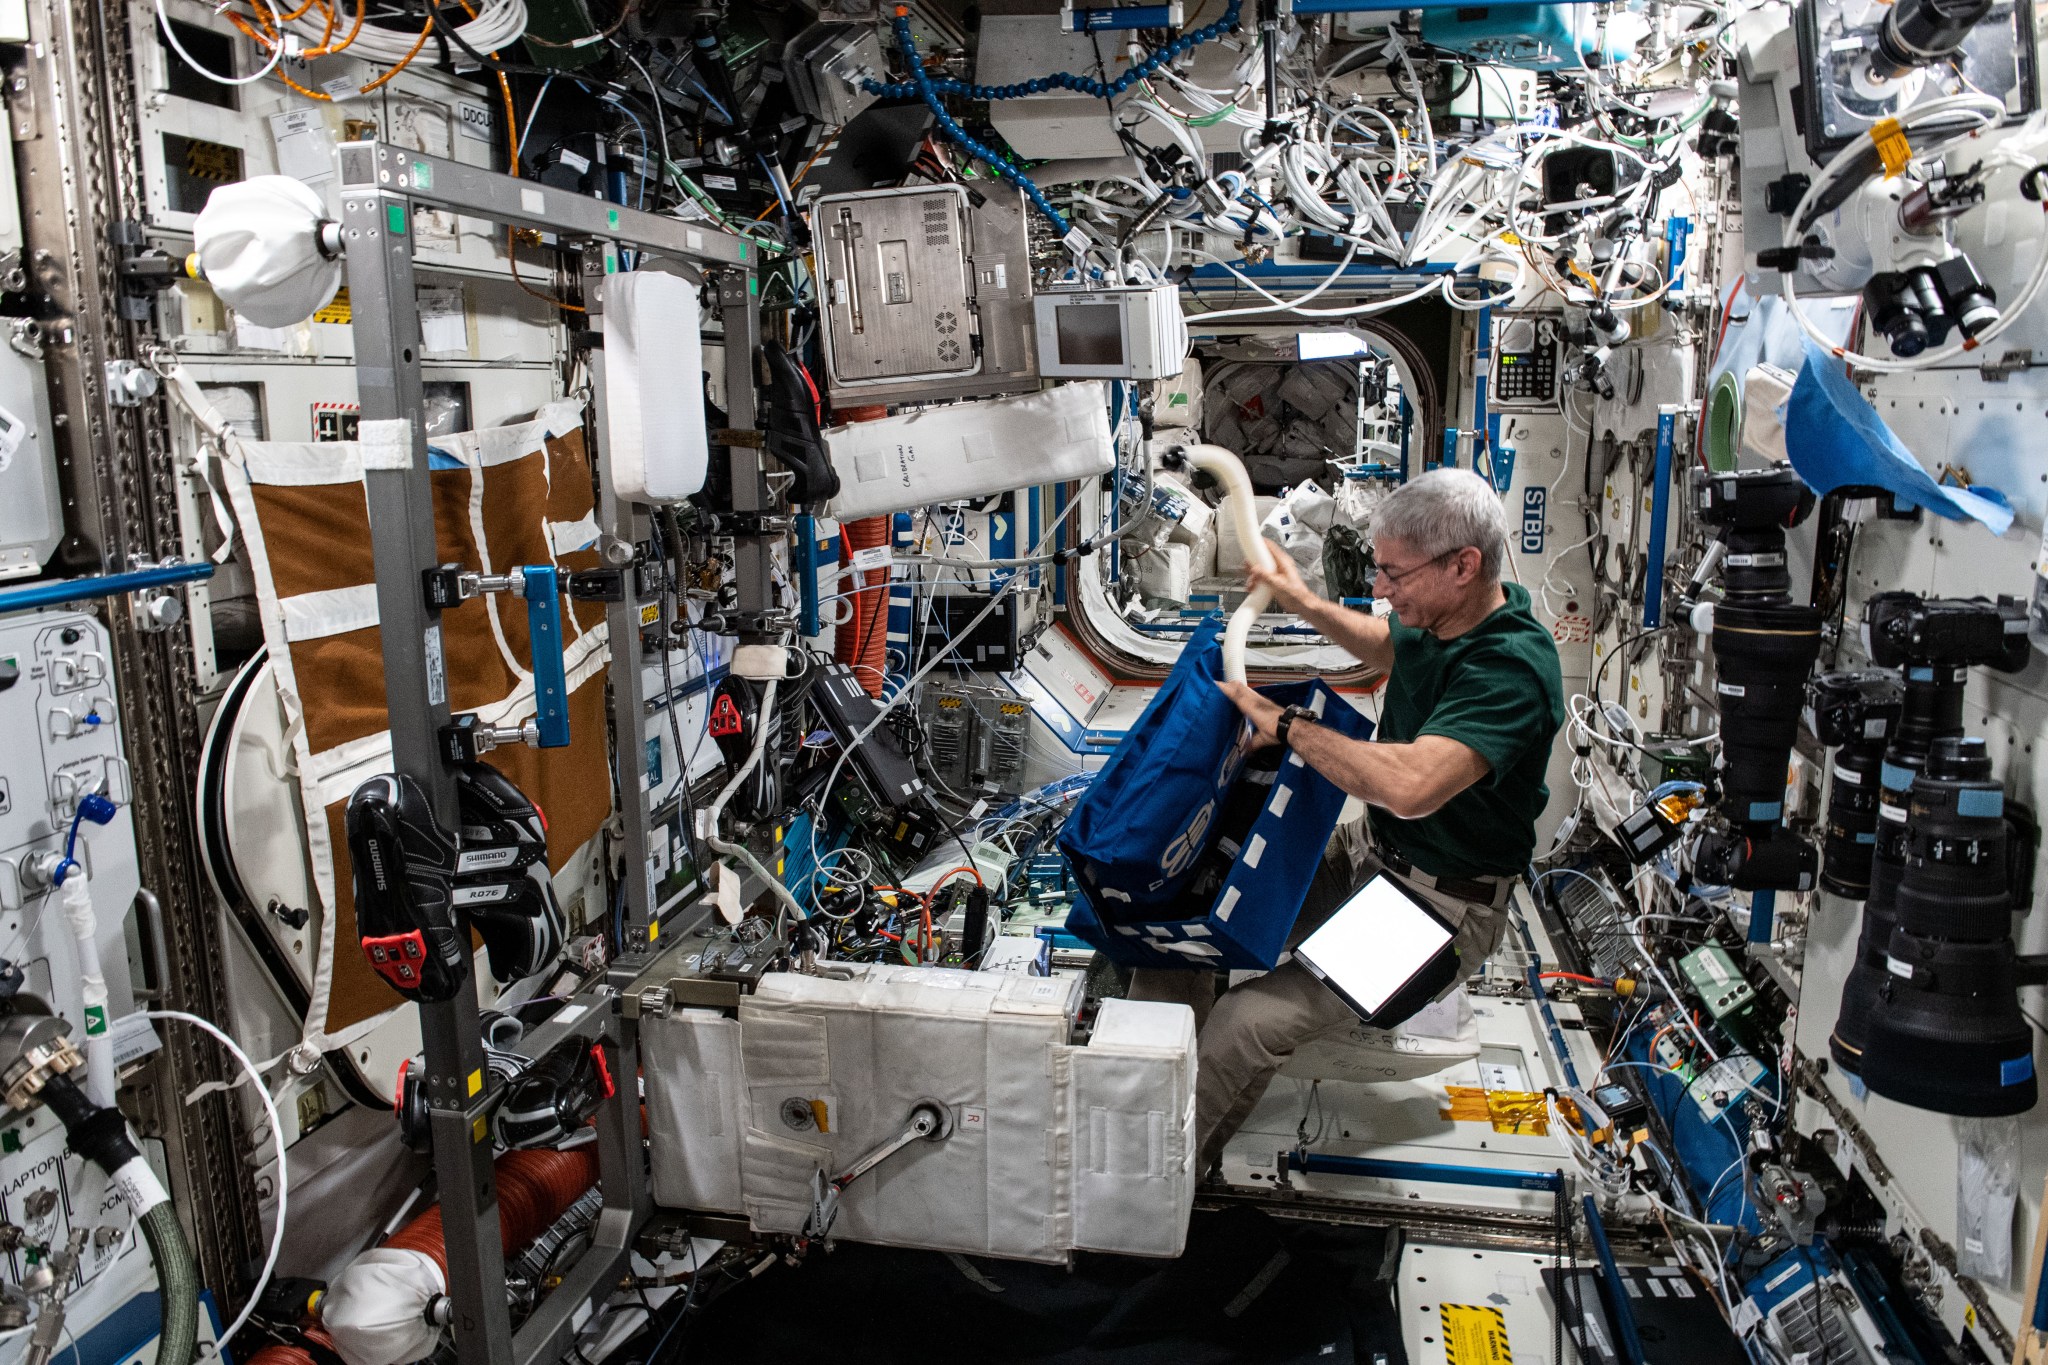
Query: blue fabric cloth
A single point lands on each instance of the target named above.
(1836, 439)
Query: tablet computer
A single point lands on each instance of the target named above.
(1385, 946)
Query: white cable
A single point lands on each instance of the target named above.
(909, 687)
(498, 24)
(1990, 111)
(171, 37)
(277, 1141)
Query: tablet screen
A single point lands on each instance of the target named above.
(1375, 943)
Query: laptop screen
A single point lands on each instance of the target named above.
(1375, 943)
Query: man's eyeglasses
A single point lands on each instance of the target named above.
(1399, 575)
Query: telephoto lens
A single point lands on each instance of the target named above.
(1933, 641)
(1948, 1034)
(1853, 712)
(1764, 646)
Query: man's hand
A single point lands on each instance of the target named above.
(1283, 580)
(1262, 713)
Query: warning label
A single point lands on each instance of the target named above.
(1475, 1336)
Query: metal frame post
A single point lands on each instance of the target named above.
(377, 232)
(382, 188)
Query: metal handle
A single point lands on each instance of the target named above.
(544, 634)
(930, 1121)
(159, 965)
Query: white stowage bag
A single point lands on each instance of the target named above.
(654, 388)
(376, 1310)
(1230, 551)
(259, 247)
(1166, 573)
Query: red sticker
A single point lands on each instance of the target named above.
(725, 717)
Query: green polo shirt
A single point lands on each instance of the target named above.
(1497, 690)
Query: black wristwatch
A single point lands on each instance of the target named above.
(1287, 719)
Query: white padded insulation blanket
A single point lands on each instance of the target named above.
(828, 1070)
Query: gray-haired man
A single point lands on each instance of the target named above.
(1454, 776)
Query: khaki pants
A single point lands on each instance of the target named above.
(1255, 1027)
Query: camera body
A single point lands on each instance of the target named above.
(1753, 499)
(1853, 706)
(1903, 628)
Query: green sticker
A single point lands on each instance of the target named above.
(422, 175)
(743, 253)
(394, 215)
(753, 285)
(611, 217)
(611, 259)
(95, 1020)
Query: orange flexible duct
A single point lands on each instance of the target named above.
(861, 642)
(535, 1188)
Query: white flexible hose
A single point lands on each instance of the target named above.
(1242, 508)
(92, 989)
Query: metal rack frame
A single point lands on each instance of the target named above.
(383, 187)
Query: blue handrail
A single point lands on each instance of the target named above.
(63, 590)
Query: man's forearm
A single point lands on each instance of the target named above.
(1363, 635)
(1383, 775)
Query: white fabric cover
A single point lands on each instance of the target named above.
(693, 1099)
(1437, 1037)
(1167, 573)
(654, 389)
(868, 1050)
(376, 1309)
(1133, 1117)
(1229, 549)
(1038, 1124)
(1765, 391)
(1177, 402)
(970, 450)
(259, 246)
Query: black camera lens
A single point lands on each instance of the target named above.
(1957, 883)
(1850, 837)
(1854, 712)
(1761, 659)
(1945, 1031)
(1919, 33)
(1896, 312)
(1933, 704)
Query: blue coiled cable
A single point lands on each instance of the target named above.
(925, 88)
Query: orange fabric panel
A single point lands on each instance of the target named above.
(341, 686)
(318, 538)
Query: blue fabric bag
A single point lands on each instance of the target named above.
(1135, 837)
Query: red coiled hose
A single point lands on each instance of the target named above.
(535, 1188)
(861, 642)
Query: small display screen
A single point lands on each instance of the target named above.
(1090, 333)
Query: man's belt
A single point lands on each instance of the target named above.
(1491, 891)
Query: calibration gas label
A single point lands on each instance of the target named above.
(1534, 501)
